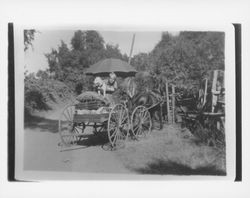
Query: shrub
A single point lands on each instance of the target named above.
(41, 90)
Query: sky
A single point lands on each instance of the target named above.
(45, 40)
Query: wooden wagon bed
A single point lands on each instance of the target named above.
(95, 118)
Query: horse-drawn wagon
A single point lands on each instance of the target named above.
(118, 119)
(115, 120)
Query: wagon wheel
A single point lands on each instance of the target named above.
(69, 131)
(141, 123)
(118, 125)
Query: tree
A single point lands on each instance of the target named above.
(141, 61)
(78, 41)
(94, 40)
(52, 61)
(29, 36)
(43, 74)
(87, 40)
(68, 64)
(88, 46)
(186, 59)
(60, 61)
(113, 51)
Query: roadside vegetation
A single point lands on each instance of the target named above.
(173, 151)
(183, 60)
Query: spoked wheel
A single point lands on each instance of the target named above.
(70, 132)
(141, 123)
(118, 126)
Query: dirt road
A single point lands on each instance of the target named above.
(43, 151)
(169, 151)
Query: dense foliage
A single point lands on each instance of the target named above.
(182, 60)
(29, 36)
(68, 64)
(41, 90)
(65, 75)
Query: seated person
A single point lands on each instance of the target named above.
(111, 83)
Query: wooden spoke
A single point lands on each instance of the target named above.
(146, 116)
(68, 114)
(114, 133)
(112, 126)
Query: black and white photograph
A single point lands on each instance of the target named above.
(134, 102)
(124, 98)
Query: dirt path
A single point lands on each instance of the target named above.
(43, 150)
(169, 151)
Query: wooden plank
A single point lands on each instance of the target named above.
(98, 118)
(173, 104)
(214, 98)
(205, 92)
(167, 101)
(161, 116)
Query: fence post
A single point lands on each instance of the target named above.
(214, 97)
(167, 101)
(173, 103)
(161, 117)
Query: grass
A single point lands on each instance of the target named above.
(173, 151)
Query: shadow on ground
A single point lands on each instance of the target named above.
(93, 140)
(44, 124)
(88, 141)
(161, 167)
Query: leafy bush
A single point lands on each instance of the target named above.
(184, 59)
(41, 90)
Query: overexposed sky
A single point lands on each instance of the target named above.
(48, 39)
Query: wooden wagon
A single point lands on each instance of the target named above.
(102, 116)
(207, 122)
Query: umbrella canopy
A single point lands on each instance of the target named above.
(106, 66)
